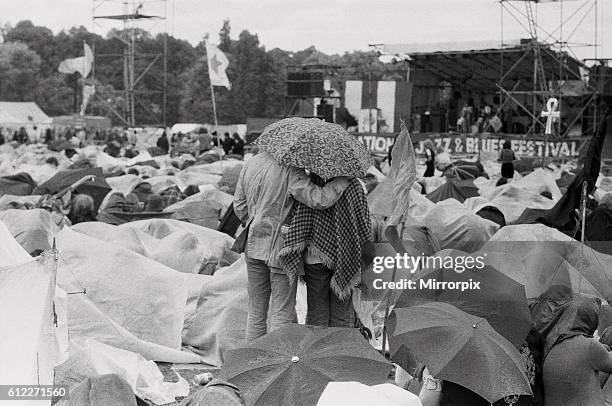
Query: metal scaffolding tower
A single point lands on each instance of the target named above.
(125, 20)
(557, 47)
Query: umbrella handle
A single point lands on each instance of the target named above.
(385, 321)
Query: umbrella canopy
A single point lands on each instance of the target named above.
(461, 348)
(323, 148)
(454, 189)
(292, 365)
(20, 184)
(500, 299)
(96, 187)
(465, 170)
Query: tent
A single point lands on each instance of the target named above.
(185, 128)
(97, 122)
(22, 114)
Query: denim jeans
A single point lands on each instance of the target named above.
(268, 290)
(324, 307)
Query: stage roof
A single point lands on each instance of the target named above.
(479, 65)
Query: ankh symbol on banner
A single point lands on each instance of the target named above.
(551, 113)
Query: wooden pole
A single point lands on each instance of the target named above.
(214, 105)
(385, 321)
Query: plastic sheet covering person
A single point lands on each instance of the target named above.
(265, 194)
(31, 345)
(573, 358)
(112, 203)
(33, 229)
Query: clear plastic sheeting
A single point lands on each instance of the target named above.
(539, 248)
(124, 183)
(180, 250)
(219, 324)
(455, 226)
(90, 358)
(512, 201)
(33, 229)
(218, 243)
(122, 298)
(11, 253)
(358, 394)
(33, 332)
(208, 195)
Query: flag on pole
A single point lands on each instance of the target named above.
(402, 174)
(81, 64)
(217, 64)
(88, 92)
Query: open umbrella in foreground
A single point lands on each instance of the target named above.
(500, 300)
(323, 148)
(292, 365)
(461, 348)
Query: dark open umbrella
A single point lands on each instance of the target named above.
(95, 185)
(460, 348)
(454, 189)
(323, 148)
(465, 170)
(500, 299)
(20, 184)
(292, 365)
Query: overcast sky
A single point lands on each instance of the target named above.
(333, 26)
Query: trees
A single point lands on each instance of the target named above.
(31, 54)
(19, 67)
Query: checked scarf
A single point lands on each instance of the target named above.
(335, 236)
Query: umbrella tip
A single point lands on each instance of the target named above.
(295, 359)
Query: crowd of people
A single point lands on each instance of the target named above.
(297, 226)
(472, 118)
(201, 141)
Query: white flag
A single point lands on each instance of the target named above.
(88, 92)
(81, 64)
(217, 64)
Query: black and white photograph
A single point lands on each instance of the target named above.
(305, 202)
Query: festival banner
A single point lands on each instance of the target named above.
(457, 144)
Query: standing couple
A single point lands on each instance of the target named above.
(300, 227)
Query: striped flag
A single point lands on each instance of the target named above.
(378, 106)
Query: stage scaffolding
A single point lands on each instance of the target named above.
(132, 103)
(582, 85)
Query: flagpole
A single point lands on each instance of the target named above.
(212, 93)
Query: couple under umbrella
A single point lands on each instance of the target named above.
(298, 224)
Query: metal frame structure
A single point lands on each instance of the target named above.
(128, 13)
(558, 45)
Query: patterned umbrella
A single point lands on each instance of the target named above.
(323, 148)
(294, 364)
